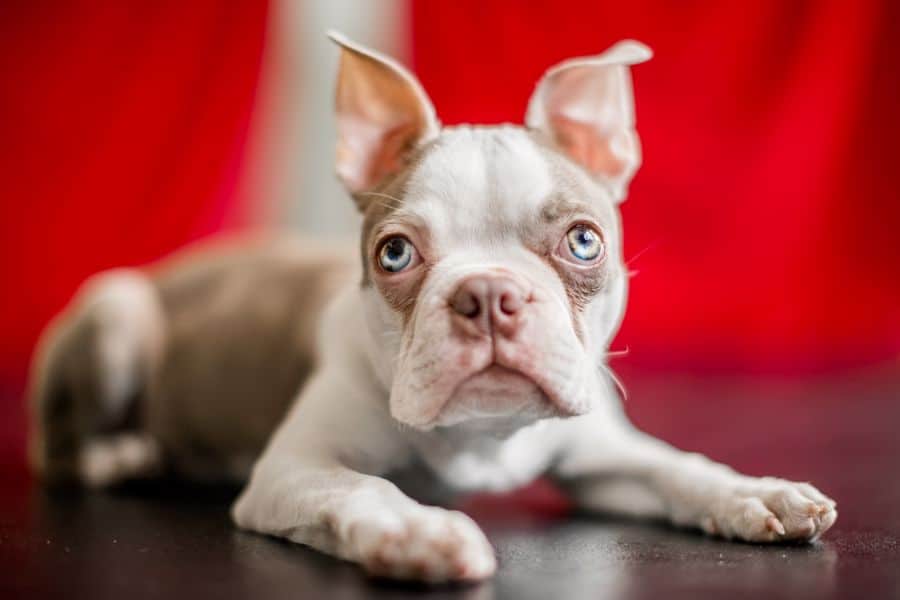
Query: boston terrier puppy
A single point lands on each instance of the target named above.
(466, 342)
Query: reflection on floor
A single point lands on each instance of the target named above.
(840, 433)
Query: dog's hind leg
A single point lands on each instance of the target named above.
(92, 366)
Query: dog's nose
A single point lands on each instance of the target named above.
(487, 302)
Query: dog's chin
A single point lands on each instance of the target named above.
(496, 399)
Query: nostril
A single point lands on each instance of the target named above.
(468, 300)
(467, 304)
(510, 302)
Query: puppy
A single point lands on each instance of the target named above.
(467, 345)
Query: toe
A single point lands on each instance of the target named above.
(751, 520)
(815, 495)
(773, 524)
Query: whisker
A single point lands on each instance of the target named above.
(617, 382)
(396, 201)
(617, 353)
(641, 253)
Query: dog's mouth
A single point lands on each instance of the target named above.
(497, 381)
(499, 373)
(496, 392)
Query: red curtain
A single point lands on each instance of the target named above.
(123, 129)
(764, 224)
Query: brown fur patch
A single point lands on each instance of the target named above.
(559, 213)
(378, 207)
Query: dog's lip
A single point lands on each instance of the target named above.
(500, 369)
(496, 369)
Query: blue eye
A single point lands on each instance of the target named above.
(396, 254)
(585, 242)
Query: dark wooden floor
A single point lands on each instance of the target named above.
(842, 433)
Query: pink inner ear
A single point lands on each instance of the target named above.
(367, 152)
(382, 113)
(586, 109)
(393, 150)
(593, 150)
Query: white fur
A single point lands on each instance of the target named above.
(129, 327)
(391, 395)
(108, 460)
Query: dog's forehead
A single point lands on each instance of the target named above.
(477, 181)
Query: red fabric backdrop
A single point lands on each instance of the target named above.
(123, 129)
(764, 223)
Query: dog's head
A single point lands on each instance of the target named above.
(492, 263)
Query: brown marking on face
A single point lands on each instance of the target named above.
(569, 205)
(580, 288)
(383, 201)
(403, 298)
(379, 206)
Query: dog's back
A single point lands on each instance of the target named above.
(199, 357)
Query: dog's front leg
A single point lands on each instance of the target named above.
(610, 467)
(306, 488)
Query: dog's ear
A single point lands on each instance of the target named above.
(585, 107)
(382, 113)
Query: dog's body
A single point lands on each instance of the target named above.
(471, 345)
(231, 324)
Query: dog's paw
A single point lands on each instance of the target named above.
(771, 510)
(110, 460)
(430, 544)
